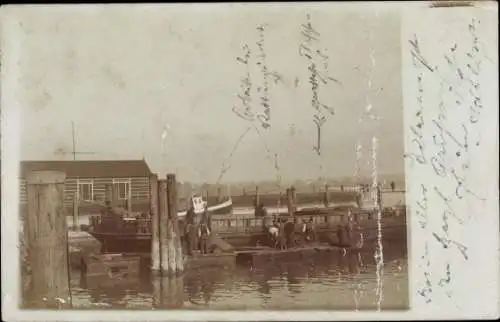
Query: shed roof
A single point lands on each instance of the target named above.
(90, 169)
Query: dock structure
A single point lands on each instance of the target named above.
(47, 240)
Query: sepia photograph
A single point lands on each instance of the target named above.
(212, 157)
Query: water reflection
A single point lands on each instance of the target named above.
(333, 280)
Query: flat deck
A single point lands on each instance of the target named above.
(262, 251)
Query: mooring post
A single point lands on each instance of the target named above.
(48, 240)
(163, 214)
(294, 198)
(257, 196)
(177, 264)
(76, 227)
(155, 225)
(326, 197)
(289, 199)
(278, 205)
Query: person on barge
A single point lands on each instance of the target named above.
(203, 235)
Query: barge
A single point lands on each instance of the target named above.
(248, 230)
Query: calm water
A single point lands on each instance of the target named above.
(324, 281)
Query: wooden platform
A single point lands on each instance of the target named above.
(112, 265)
(267, 254)
(198, 261)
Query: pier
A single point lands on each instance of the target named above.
(117, 247)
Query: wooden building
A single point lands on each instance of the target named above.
(88, 179)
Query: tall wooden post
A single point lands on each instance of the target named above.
(326, 197)
(108, 193)
(257, 196)
(278, 203)
(48, 240)
(289, 199)
(163, 214)
(155, 224)
(76, 226)
(177, 262)
(294, 198)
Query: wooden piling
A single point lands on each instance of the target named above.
(155, 224)
(289, 199)
(326, 196)
(278, 203)
(163, 223)
(294, 198)
(176, 262)
(48, 240)
(76, 226)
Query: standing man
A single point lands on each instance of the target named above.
(310, 229)
(190, 236)
(203, 235)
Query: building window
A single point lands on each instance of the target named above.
(85, 189)
(123, 188)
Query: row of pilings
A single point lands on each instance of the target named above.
(166, 248)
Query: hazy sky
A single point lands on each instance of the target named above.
(124, 74)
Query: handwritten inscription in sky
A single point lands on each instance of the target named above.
(255, 82)
(317, 64)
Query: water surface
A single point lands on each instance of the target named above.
(322, 281)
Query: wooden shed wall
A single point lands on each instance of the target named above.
(139, 189)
